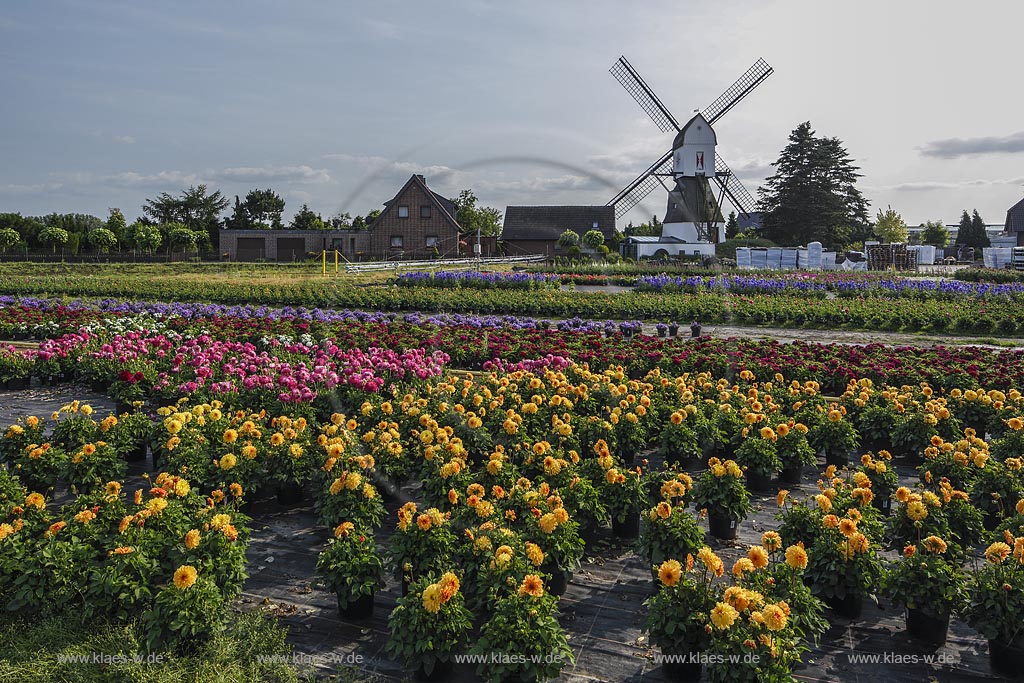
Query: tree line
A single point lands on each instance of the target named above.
(192, 220)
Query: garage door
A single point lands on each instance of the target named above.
(252, 248)
(291, 249)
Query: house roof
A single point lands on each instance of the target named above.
(1015, 218)
(444, 205)
(677, 142)
(549, 222)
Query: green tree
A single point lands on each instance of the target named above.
(372, 216)
(813, 194)
(26, 226)
(889, 227)
(978, 232)
(341, 220)
(179, 235)
(197, 208)
(652, 229)
(935, 233)
(102, 240)
(471, 218)
(732, 226)
(146, 237)
(306, 219)
(263, 208)
(117, 224)
(53, 236)
(592, 239)
(569, 239)
(238, 219)
(8, 238)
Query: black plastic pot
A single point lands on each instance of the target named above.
(289, 493)
(136, 454)
(559, 582)
(883, 503)
(1007, 658)
(849, 607)
(440, 672)
(838, 459)
(722, 526)
(360, 608)
(759, 482)
(629, 528)
(683, 671)
(927, 627)
(792, 474)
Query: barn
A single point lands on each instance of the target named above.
(1015, 222)
(536, 229)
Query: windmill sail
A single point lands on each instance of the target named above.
(646, 182)
(737, 91)
(733, 188)
(635, 85)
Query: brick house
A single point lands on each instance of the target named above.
(416, 223)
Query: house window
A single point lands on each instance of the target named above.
(403, 211)
(433, 241)
(425, 211)
(396, 241)
(595, 225)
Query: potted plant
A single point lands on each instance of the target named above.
(351, 568)
(882, 477)
(794, 451)
(185, 613)
(673, 328)
(679, 442)
(842, 566)
(678, 615)
(349, 496)
(720, 490)
(429, 626)
(522, 640)
(836, 436)
(662, 330)
(422, 542)
(557, 536)
(930, 587)
(128, 435)
(92, 465)
(622, 498)
(668, 532)
(759, 457)
(996, 602)
(996, 489)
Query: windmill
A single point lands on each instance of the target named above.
(694, 215)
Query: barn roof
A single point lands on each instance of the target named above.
(1015, 218)
(445, 205)
(549, 222)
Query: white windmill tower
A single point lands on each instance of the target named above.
(693, 221)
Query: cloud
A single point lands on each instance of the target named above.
(962, 147)
(124, 139)
(35, 188)
(933, 185)
(288, 174)
(162, 179)
(541, 184)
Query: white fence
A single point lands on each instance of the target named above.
(446, 264)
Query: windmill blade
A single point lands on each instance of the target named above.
(738, 90)
(634, 193)
(733, 188)
(636, 86)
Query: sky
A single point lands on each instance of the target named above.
(336, 103)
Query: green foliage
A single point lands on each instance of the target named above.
(758, 455)
(116, 223)
(678, 615)
(102, 240)
(40, 650)
(732, 226)
(53, 236)
(146, 237)
(925, 579)
(649, 229)
(350, 565)
(721, 491)
(971, 232)
(889, 227)
(996, 601)
(260, 209)
(669, 532)
(568, 238)
(471, 218)
(813, 194)
(306, 219)
(935, 233)
(522, 629)
(421, 638)
(593, 239)
(8, 238)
